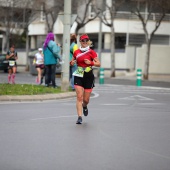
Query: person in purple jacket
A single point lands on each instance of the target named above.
(51, 57)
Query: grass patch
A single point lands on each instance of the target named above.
(27, 89)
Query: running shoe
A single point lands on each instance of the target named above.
(85, 111)
(79, 120)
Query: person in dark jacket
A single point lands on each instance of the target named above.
(51, 57)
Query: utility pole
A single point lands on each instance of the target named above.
(99, 42)
(100, 37)
(66, 46)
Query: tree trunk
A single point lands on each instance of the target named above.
(27, 51)
(146, 69)
(6, 46)
(112, 51)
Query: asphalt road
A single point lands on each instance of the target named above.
(127, 129)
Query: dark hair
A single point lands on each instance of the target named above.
(73, 38)
(12, 46)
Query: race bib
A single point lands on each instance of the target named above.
(79, 72)
(11, 63)
(40, 62)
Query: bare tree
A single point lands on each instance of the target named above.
(83, 15)
(31, 8)
(155, 11)
(15, 17)
(107, 18)
(51, 10)
(9, 14)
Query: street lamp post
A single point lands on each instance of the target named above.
(66, 46)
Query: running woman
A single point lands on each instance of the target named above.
(12, 67)
(39, 61)
(85, 58)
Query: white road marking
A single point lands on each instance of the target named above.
(153, 153)
(135, 97)
(115, 104)
(151, 104)
(57, 117)
(132, 86)
(95, 95)
(36, 101)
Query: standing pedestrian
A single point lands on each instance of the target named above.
(51, 54)
(11, 56)
(73, 48)
(39, 64)
(85, 58)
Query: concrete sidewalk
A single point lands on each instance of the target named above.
(21, 98)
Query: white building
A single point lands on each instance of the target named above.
(129, 40)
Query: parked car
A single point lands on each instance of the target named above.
(3, 63)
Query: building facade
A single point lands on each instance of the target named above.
(129, 37)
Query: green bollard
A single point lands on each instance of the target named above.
(101, 77)
(139, 78)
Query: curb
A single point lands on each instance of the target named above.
(37, 97)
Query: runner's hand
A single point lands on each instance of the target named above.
(87, 61)
(72, 62)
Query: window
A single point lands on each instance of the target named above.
(42, 14)
(91, 11)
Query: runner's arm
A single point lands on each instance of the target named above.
(95, 62)
(8, 56)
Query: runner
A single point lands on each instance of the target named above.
(12, 68)
(85, 58)
(39, 64)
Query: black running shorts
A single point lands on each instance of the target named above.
(87, 81)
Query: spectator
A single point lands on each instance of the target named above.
(39, 64)
(51, 54)
(73, 47)
(12, 68)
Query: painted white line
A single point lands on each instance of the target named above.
(115, 104)
(58, 117)
(95, 95)
(135, 97)
(131, 86)
(36, 101)
(153, 153)
(151, 103)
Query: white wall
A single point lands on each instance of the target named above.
(130, 56)
(159, 59)
(37, 28)
(21, 58)
(121, 26)
(120, 60)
